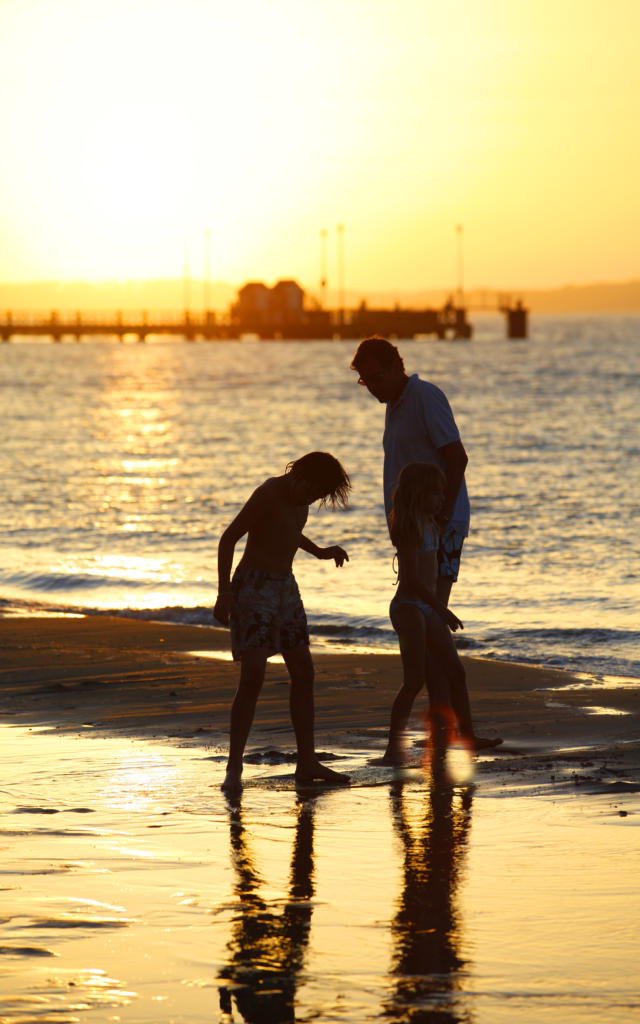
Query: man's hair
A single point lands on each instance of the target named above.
(410, 513)
(324, 471)
(377, 347)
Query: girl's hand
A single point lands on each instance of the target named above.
(452, 621)
(338, 554)
(223, 607)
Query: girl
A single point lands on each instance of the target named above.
(419, 618)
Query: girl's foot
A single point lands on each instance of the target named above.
(393, 758)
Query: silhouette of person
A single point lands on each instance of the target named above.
(425, 929)
(267, 949)
(420, 427)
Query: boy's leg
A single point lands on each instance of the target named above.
(301, 705)
(252, 668)
(409, 623)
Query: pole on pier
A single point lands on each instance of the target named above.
(207, 270)
(340, 230)
(460, 275)
(323, 267)
(186, 282)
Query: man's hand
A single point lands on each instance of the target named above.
(442, 520)
(224, 605)
(338, 554)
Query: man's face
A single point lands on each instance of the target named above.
(383, 382)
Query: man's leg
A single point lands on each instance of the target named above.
(457, 681)
(458, 684)
(301, 705)
(410, 626)
(252, 668)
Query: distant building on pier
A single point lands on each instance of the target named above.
(282, 312)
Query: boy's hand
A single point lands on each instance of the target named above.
(338, 554)
(223, 607)
(452, 621)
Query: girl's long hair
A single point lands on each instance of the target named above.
(412, 507)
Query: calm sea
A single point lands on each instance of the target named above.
(123, 463)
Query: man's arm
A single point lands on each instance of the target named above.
(338, 554)
(455, 461)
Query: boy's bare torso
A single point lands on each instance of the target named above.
(275, 528)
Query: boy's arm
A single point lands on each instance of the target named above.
(236, 529)
(338, 554)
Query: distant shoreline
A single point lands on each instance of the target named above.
(168, 295)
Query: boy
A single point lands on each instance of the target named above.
(262, 603)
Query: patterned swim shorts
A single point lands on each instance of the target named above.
(449, 554)
(269, 613)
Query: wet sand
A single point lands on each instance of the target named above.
(134, 891)
(154, 680)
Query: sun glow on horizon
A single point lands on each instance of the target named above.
(133, 128)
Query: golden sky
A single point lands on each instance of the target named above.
(131, 128)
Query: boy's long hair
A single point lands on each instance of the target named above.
(324, 471)
(411, 511)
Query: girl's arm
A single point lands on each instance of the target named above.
(338, 554)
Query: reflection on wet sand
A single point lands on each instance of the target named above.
(426, 929)
(267, 949)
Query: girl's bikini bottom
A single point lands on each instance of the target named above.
(396, 601)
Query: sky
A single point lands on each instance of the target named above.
(484, 142)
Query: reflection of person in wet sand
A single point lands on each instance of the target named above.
(426, 933)
(262, 603)
(267, 949)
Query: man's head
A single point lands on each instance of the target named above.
(318, 476)
(380, 368)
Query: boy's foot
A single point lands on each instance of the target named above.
(317, 772)
(232, 782)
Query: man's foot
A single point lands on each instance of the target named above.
(232, 781)
(485, 742)
(317, 772)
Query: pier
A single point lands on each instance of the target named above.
(311, 325)
(278, 313)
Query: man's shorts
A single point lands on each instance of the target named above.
(269, 612)
(449, 554)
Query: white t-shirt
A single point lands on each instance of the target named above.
(420, 422)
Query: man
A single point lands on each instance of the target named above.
(419, 427)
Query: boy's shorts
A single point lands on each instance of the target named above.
(269, 612)
(449, 554)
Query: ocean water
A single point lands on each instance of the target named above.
(123, 463)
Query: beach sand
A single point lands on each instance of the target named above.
(134, 891)
(157, 680)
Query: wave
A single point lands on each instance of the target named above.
(598, 652)
(62, 582)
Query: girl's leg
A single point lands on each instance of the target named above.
(252, 667)
(409, 623)
(301, 705)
